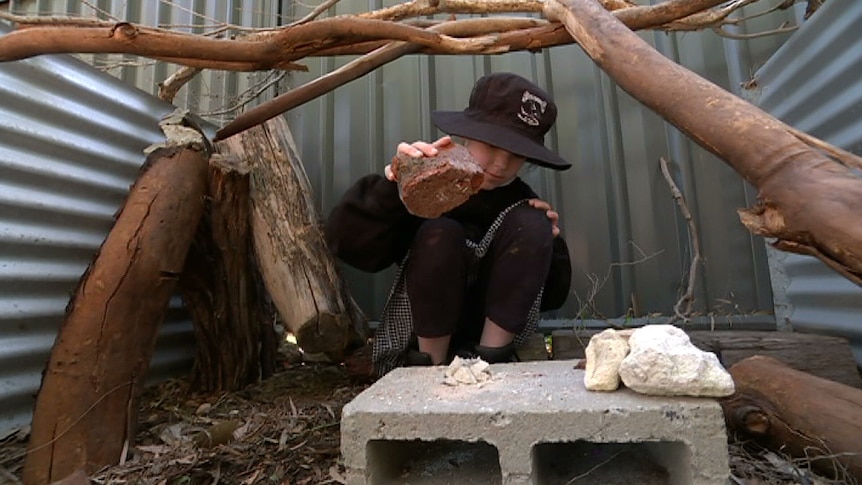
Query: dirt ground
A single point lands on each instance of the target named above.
(285, 431)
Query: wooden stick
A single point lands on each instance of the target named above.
(687, 298)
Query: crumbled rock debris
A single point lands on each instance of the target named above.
(467, 372)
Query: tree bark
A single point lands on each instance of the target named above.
(297, 268)
(87, 406)
(765, 151)
(796, 413)
(236, 343)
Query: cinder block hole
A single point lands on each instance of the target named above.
(432, 462)
(588, 463)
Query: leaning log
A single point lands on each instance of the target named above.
(815, 420)
(235, 338)
(298, 270)
(808, 201)
(86, 409)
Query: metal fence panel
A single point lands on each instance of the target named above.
(71, 144)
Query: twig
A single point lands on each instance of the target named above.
(848, 159)
(246, 97)
(169, 88)
(687, 298)
(323, 7)
(99, 10)
(190, 11)
(24, 21)
(709, 18)
(780, 30)
(591, 470)
(597, 285)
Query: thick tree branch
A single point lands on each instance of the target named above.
(659, 14)
(286, 45)
(342, 35)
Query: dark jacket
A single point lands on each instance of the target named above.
(370, 229)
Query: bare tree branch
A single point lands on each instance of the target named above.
(169, 87)
(846, 158)
(249, 96)
(323, 7)
(381, 36)
(351, 71)
(286, 45)
(347, 34)
(784, 29)
(661, 13)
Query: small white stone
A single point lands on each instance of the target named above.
(453, 366)
(479, 367)
(464, 376)
(604, 353)
(467, 371)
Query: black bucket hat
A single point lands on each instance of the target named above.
(508, 112)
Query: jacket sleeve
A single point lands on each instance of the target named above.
(559, 278)
(370, 229)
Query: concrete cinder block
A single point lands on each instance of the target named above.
(532, 423)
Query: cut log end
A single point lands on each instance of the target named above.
(326, 334)
(752, 419)
(797, 413)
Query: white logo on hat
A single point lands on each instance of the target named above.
(532, 107)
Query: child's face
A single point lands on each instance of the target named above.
(499, 165)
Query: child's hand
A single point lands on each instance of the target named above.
(551, 213)
(417, 149)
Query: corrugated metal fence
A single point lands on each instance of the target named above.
(71, 141)
(813, 83)
(629, 244)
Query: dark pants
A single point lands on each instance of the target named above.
(510, 276)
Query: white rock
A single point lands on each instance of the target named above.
(604, 353)
(466, 371)
(464, 376)
(663, 361)
(479, 367)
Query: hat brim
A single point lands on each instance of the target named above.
(457, 123)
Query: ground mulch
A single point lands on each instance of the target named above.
(285, 431)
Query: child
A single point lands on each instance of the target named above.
(475, 279)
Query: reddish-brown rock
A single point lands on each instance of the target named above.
(431, 186)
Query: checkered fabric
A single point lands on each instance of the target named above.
(396, 322)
